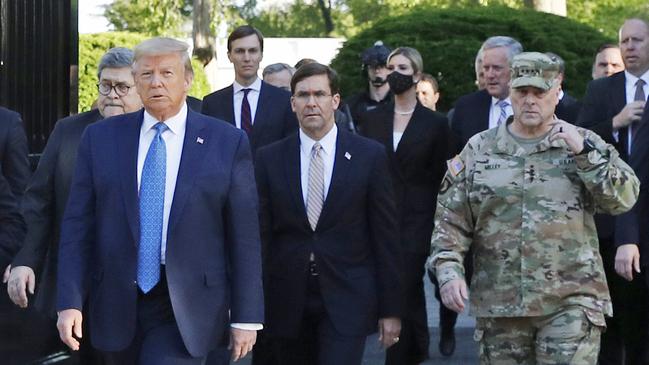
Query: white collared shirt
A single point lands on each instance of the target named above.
(173, 137)
(328, 143)
(494, 112)
(253, 99)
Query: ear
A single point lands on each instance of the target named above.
(230, 57)
(189, 79)
(293, 104)
(335, 100)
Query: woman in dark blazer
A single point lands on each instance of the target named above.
(417, 143)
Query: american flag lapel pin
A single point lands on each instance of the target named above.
(348, 156)
(199, 140)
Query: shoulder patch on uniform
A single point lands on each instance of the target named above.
(455, 165)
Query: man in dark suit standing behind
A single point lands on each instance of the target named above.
(167, 270)
(491, 106)
(48, 190)
(612, 107)
(329, 233)
(260, 109)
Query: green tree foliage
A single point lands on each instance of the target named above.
(153, 17)
(607, 15)
(93, 46)
(449, 40)
(301, 18)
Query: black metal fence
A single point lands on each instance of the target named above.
(38, 63)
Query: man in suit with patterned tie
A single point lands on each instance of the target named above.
(329, 234)
(490, 106)
(260, 109)
(161, 230)
(612, 107)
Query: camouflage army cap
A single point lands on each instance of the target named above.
(534, 69)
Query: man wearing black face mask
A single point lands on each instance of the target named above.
(378, 92)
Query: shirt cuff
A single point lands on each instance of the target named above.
(616, 136)
(247, 326)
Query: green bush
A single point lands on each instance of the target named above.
(449, 40)
(93, 46)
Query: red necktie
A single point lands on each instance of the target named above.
(246, 116)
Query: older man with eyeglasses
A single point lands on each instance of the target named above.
(48, 190)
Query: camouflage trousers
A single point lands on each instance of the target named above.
(570, 336)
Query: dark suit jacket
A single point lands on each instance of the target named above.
(633, 226)
(604, 99)
(194, 104)
(213, 260)
(44, 203)
(568, 109)
(417, 168)
(13, 152)
(471, 116)
(274, 118)
(14, 173)
(355, 242)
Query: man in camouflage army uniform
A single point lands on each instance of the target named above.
(523, 195)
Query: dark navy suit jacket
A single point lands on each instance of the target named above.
(274, 118)
(633, 226)
(471, 116)
(213, 261)
(604, 99)
(44, 203)
(355, 242)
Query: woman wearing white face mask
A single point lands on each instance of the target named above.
(417, 143)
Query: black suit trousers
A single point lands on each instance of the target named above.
(157, 339)
(412, 347)
(318, 342)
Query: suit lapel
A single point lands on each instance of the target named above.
(618, 96)
(192, 157)
(293, 174)
(127, 151)
(264, 106)
(485, 112)
(227, 105)
(413, 131)
(338, 178)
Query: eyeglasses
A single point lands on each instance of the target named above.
(319, 96)
(121, 89)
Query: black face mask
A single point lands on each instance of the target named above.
(378, 82)
(399, 83)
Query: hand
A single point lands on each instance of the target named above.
(627, 258)
(631, 112)
(21, 279)
(241, 342)
(453, 294)
(570, 135)
(389, 330)
(69, 322)
(5, 277)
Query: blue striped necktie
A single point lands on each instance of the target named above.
(503, 104)
(152, 193)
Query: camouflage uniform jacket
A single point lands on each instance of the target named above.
(529, 219)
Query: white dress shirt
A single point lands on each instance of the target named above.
(253, 100)
(494, 112)
(173, 137)
(328, 153)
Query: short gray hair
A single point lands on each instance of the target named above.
(275, 68)
(162, 45)
(118, 57)
(513, 46)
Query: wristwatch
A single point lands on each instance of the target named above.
(588, 146)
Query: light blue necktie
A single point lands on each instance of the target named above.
(152, 194)
(503, 104)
